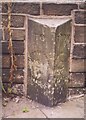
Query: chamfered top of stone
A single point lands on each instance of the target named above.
(51, 22)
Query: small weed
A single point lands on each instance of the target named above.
(25, 110)
(9, 90)
(3, 89)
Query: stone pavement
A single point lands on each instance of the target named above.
(71, 109)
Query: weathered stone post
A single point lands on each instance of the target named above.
(48, 59)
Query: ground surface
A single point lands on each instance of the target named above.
(71, 109)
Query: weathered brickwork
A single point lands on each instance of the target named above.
(79, 36)
(78, 49)
(18, 37)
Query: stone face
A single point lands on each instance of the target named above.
(16, 20)
(6, 61)
(20, 61)
(79, 51)
(18, 47)
(80, 17)
(77, 65)
(18, 76)
(58, 9)
(82, 5)
(48, 60)
(77, 79)
(17, 34)
(79, 34)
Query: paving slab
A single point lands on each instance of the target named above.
(32, 114)
(70, 109)
(15, 110)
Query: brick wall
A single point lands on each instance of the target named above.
(18, 37)
(38, 8)
(78, 48)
